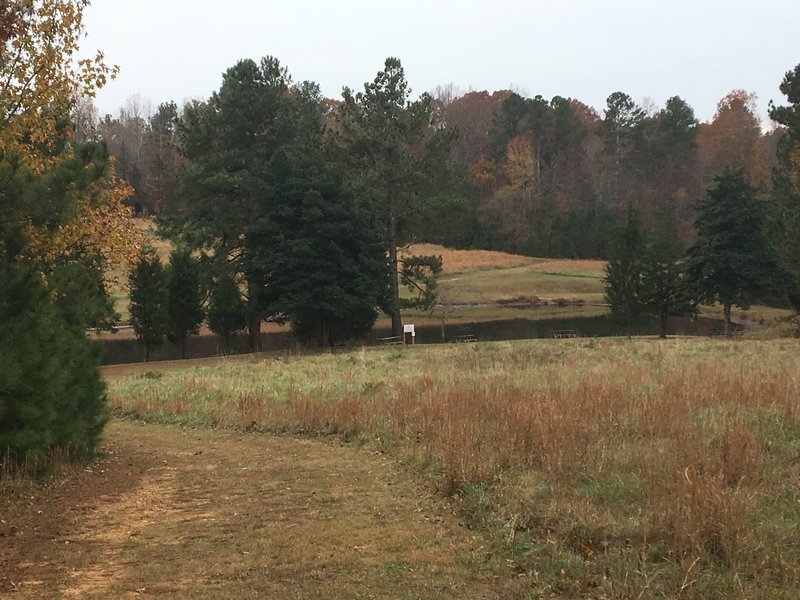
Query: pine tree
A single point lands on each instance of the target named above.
(325, 266)
(663, 289)
(732, 261)
(185, 298)
(228, 142)
(227, 311)
(149, 301)
(51, 393)
(785, 194)
(397, 158)
(623, 277)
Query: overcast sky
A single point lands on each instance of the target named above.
(585, 49)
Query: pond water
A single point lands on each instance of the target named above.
(119, 351)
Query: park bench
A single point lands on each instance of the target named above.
(465, 339)
(392, 340)
(720, 332)
(564, 333)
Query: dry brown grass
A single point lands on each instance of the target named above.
(148, 227)
(639, 468)
(457, 261)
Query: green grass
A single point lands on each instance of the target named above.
(519, 282)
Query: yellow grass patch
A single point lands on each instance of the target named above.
(455, 261)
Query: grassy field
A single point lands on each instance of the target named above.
(598, 468)
(484, 277)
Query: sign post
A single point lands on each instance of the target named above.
(409, 329)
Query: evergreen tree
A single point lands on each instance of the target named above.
(51, 394)
(732, 261)
(185, 298)
(397, 158)
(623, 277)
(227, 311)
(149, 301)
(228, 143)
(785, 195)
(420, 274)
(80, 293)
(321, 252)
(663, 289)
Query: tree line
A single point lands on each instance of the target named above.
(303, 208)
(732, 261)
(499, 171)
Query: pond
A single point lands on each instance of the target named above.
(119, 351)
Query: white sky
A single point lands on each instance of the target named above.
(585, 49)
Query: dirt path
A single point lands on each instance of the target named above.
(215, 514)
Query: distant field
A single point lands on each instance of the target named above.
(599, 468)
(486, 277)
(478, 277)
(480, 283)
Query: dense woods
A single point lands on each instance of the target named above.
(531, 175)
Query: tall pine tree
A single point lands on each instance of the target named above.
(396, 155)
(732, 261)
(785, 221)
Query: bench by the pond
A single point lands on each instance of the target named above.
(564, 333)
(720, 332)
(465, 339)
(392, 340)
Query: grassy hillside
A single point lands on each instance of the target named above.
(600, 468)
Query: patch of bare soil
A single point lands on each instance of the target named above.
(216, 514)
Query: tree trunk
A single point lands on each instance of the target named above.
(727, 311)
(254, 319)
(324, 335)
(394, 288)
(664, 317)
(146, 352)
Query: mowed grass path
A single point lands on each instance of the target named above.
(176, 512)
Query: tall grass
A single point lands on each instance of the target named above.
(625, 469)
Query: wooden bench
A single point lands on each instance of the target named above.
(392, 340)
(564, 333)
(465, 339)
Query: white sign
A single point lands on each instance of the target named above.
(409, 329)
